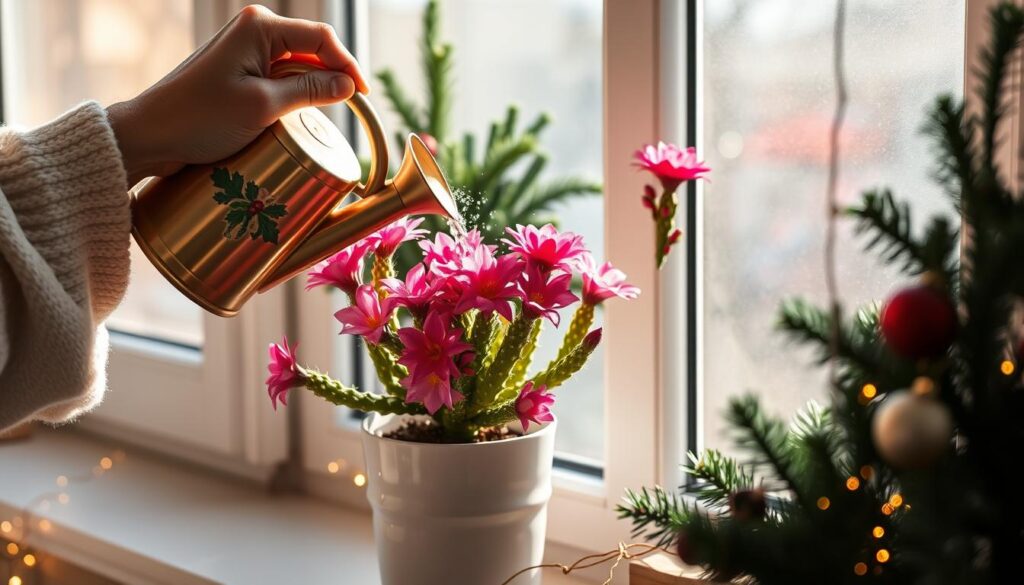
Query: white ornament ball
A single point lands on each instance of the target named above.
(911, 431)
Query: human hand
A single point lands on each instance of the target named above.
(219, 99)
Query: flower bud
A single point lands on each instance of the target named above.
(649, 192)
(674, 236)
(592, 339)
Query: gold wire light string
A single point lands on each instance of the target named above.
(624, 551)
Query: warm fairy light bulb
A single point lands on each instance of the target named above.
(64, 499)
(882, 555)
(29, 560)
(62, 481)
(869, 391)
(45, 525)
(332, 467)
(106, 463)
(896, 500)
(15, 580)
(1006, 367)
(359, 480)
(824, 503)
(878, 532)
(852, 483)
(867, 472)
(12, 548)
(5, 526)
(887, 508)
(860, 569)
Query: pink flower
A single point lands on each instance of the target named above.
(670, 163)
(432, 349)
(544, 293)
(343, 270)
(534, 405)
(431, 390)
(488, 283)
(416, 292)
(284, 372)
(368, 316)
(386, 241)
(430, 356)
(604, 282)
(546, 246)
(444, 254)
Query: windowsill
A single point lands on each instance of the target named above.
(151, 521)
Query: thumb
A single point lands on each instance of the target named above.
(316, 88)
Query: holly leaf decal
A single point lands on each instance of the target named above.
(266, 228)
(247, 214)
(252, 191)
(275, 210)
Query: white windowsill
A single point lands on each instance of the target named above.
(151, 521)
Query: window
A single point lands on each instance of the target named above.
(495, 67)
(58, 53)
(766, 123)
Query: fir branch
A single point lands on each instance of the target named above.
(955, 139)
(718, 477)
(655, 514)
(767, 441)
(1006, 23)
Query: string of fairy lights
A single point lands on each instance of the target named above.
(18, 558)
(339, 466)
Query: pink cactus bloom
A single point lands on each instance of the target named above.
(604, 282)
(368, 316)
(416, 292)
(670, 163)
(544, 293)
(488, 283)
(433, 349)
(534, 405)
(546, 246)
(284, 372)
(444, 254)
(386, 241)
(431, 390)
(343, 270)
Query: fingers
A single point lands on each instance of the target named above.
(316, 88)
(294, 35)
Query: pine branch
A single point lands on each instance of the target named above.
(655, 514)
(718, 477)
(1007, 22)
(955, 140)
(767, 442)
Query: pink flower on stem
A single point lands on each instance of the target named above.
(343, 270)
(416, 292)
(544, 293)
(546, 246)
(368, 316)
(534, 405)
(488, 283)
(670, 163)
(444, 255)
(430, 356)
(284, 372)
(601, 283)
(386, 241)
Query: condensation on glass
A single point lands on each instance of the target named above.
(58, 53)
(768, 98)
(556, 68)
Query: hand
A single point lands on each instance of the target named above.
(219, 99)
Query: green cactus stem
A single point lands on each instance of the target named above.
(337, 393)
(518, 374)
(492, 380)
(389, 372)
(560, 371)
(582, 319)
(501, 414)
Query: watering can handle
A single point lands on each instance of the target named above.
(360, 106)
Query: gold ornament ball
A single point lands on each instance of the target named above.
(911, 431)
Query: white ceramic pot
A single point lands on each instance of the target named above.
(462, 514)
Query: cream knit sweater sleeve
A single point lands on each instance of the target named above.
(64, 229)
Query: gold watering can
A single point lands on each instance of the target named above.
(221, 232)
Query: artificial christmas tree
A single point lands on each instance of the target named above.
(909, 476)
(497, 185)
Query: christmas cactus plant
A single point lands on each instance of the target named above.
(454, 337)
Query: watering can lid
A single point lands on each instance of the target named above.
(317, 144)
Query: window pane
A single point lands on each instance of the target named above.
(58, 53)
(768, 101)
(557, 70)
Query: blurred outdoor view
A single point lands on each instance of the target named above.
(768, 101)
(554, 68)
(58, 53)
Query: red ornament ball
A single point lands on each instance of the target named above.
(918, 322)
(429, 141)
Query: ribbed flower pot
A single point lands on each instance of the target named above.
(463, 514)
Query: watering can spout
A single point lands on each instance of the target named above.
(418, 188)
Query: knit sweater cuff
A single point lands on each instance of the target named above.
(67, 185)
